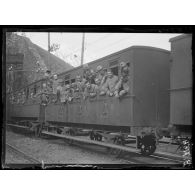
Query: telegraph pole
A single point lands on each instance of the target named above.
(49, 51)
(83, 48)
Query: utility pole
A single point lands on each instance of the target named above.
(49, 51)
(83, 48)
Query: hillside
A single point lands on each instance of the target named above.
(36, 61)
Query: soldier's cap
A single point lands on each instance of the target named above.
(78, 77)
(68, 86)
(85, 66)
(92, 71)
(60, 81)
(99, 68)
(97, 80)
(48, 71)
(73, 84)
(55, 76)
(123, 64)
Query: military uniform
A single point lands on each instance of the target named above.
(78, 89)
(102, 77)
(88, 74)
(23, 97)
(91, 90)
(122, 87)
(58, 89)
(63, 95)
(55, 84)
(68, 94)
(110, 85)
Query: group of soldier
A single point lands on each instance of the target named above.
(92, 83)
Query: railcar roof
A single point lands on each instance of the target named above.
(183, 36)
(110, 55)
(118, 52)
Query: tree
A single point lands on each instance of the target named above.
(54, 47)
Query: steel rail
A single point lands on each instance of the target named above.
(21, 153)
(127, 149)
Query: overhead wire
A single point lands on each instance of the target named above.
(113, 43)
(99, 39)
(89, 44)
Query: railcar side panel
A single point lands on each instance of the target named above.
(181, 80)
(29, 111)
(182, 101)
(151, 84)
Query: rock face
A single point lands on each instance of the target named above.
(36, 61)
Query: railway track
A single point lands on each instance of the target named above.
(129, 154)
(22, 154)
(134, 157)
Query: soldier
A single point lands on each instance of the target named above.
(78, 86)
(110, 84)
(19, 98)
(90, 91)
(23, 97)
(15, 99)
(44, 98)
(47, 74)
(73, 87)
(63, 94)
(55, 83)
(59, 89)
(88, 74)
(97, 85)
(49, 82)
(68, 93)
(11, 99)
(99, 72)
(102, 77)
(122, 87)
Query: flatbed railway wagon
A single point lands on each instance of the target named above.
(146, 104)
(181, 84)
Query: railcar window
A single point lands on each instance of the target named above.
(115, 70)
(128, 64)
(72, 80)
(67, 82)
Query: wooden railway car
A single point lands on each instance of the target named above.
(146, 104)
(181, 83)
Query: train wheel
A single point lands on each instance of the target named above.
(92, 137)
(119, 141)
(147, 150)
(72, 133)
(59, 131)
(99, 138)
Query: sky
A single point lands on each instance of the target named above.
(97, 45)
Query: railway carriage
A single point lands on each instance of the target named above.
(146, 104)
(181, 84)
(159, 99)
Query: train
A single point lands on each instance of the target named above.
(159, 98)
(181, 84)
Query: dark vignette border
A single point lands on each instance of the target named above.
(91, 29)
